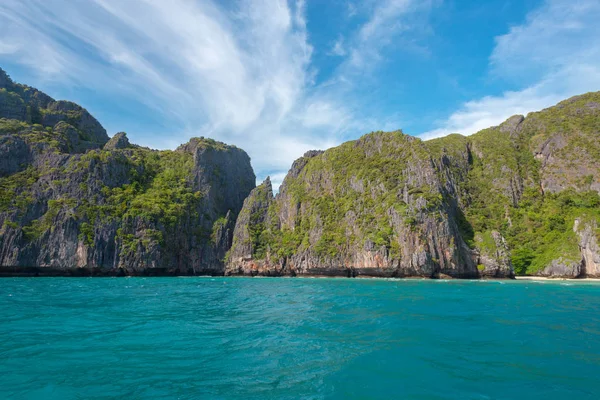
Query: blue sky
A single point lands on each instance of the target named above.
(278, 78)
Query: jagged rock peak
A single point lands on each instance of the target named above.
(301, 162)
(119, 141)
(201, 142)
(267, 183)
(252, 218)
(312, 153)
(512, 124)
(29, 105)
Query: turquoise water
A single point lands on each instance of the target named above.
(244, 338)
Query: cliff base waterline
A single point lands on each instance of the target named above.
(19, 271)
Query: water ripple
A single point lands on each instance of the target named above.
(172, 338)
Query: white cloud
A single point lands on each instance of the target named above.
(8, 48)
(323, 113)
(384, 19)
(338, 48)
(558, 35)
(351, 9)
(558, 45)
(241, 74)
(389, 19)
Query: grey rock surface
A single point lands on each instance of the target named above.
(67, 193)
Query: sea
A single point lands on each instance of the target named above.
(298, 338)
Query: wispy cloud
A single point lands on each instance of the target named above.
(338, 48)
(244, 73)
(351, 9)
(556, 48)
(241, 74)
(388, 20)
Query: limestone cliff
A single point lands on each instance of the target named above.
(392, 205)
(74, 202)
(371, 207)
(521, 197)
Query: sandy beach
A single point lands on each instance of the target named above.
(542, 278)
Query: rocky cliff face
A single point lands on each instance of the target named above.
(522, 197)
(530, 180)
(30, 106)
(588, 246)
(74, 202)
(504, 199)
(585, 262)
(371, 207)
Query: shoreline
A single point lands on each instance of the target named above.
(544, 278)
(74, 273)
(49, 272)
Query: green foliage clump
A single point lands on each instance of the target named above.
(15, 189)
(43, 224)
(486, 242)
(256, 227)
(542, 229)
(218, 225)
(8, 126)
(159, 192)
(43, 138)
(209, 143)
(453, 145)
(131, 243)
(86, 234)
(13, 102)
(169, 195)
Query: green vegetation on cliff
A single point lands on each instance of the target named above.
(159, 192)
(365, 195)
(512, 193)
(516, 195)
(542, 228)
(530, 179)
(70, 197)
(358, 178)
(146, 197)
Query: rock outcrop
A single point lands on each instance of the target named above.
(251, 221)
(583, 263)
(73, 202)
(561, 268)
(29, 105)
(588, 245)
(118, 141)
(494, 261)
